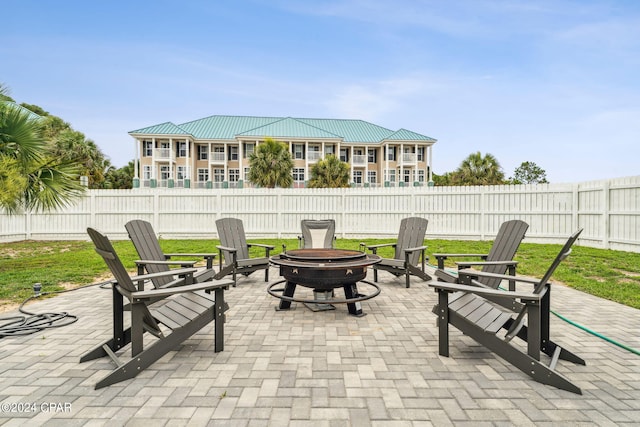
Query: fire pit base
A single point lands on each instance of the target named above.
(352, 297)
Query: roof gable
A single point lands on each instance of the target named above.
(292, 128)
(166, 128)
(407, 135)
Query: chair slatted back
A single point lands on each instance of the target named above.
(148, 247)
(231, 234)
(105, 249)
(411, 235)
(318, 233)
(562, 255)
(504, 248)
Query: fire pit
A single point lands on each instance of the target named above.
(324, 270)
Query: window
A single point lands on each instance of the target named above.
(248, 150)
(391, 153)
(391, 177)
(146, 172)
(147, 148)
(357, 177)
(344, 154)
(371, 177)
(246, 174)
(314, 153)
(329, 149)
(182, 149)
(421, 154)
(407, 175)
(203, 175)
(234, 175)
(165, 172)
(218, 175)
(372, 155)
(298, 151)
(298, 174)
(421, 176)
(218, 153)
(203, 152)
(181, 172)
(233, 153)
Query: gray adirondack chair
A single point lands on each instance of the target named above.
(183, 311)
(476, 316)
(154, 260)
(317, 233)
(409, 251)
(234, 250)
(499, 260)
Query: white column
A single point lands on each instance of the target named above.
(401, 156)
(429, 164)
(240, 165)
(136, 159)
(352, 180)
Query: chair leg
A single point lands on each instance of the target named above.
(443, 323)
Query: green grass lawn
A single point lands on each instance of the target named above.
(59, 265)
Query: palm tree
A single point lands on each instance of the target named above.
(477, 169)
(330, 172)
(270, 165)
(30, 177)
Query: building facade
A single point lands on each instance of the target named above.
(214, 152)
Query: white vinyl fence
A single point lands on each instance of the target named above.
(609, 212)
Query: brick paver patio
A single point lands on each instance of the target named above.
(302, 368)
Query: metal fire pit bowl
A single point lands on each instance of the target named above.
(324, 270)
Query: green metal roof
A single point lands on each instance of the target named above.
(231, 127)
(166, 128)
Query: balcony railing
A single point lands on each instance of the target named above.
(409, 158)
(163, 153)
(217, 157)
(359, 160)
(313, 156)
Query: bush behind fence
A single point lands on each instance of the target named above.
(608, 210)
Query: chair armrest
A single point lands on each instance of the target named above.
(226, 248)
(417, 248)
(381, 245)
(185, 263)
(442, 257)
(261, 245)
(203, 255)
(186, 271)
(466, 264)
(456, 287)
(475, 274)
(165, 292)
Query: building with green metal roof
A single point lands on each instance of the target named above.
(214, 152)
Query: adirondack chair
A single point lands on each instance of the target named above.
(409, 251)
(234, 249)
(474, 315)
(317, 233)
(183, 311)
(499, 260)
(154, 260)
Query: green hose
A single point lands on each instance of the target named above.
(579, 326)
(599, 335)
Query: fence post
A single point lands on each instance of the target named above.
(606, 201)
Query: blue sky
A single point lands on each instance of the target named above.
(553, 82)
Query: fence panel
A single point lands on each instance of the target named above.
(608, 210)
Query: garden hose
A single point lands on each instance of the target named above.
(577, 325)
(36, 322)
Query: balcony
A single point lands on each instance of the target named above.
(409, 158)
(163, 154)
(359, 160)
(313, 156)
(218, 158)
